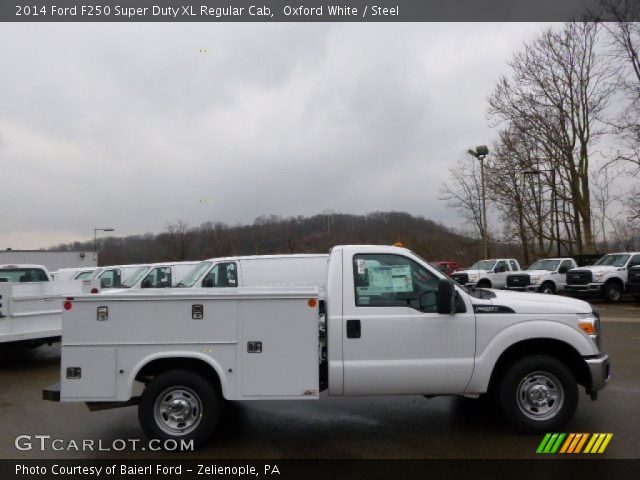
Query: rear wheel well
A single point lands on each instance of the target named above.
(160, 365)
(484, 282)
(558, 349)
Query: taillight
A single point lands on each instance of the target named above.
(67, 305)
(95, 290)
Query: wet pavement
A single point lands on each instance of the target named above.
(349, 427)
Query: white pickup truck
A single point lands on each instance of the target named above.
(490, 273)
(607, 278)
(389, 325)
(31, 303)
(547, 275)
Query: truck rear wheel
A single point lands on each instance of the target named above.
(612, 292)
(538, 394)
(180, 405)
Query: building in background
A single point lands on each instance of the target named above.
(52, 259)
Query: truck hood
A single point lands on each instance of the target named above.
(599, 268)
(532, 272)
(535, 303)
(471, 272)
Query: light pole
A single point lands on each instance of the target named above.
(480, 153)
(554, 199)
(95, 237)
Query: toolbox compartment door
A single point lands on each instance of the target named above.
(97, 380)
(279, 348)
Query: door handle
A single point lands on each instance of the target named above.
(353, 329)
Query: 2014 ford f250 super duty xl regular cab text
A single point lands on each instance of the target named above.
(388, 324)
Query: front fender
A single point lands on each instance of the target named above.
(487, 358)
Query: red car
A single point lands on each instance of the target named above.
(446, 266)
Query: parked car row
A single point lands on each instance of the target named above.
(609, 277)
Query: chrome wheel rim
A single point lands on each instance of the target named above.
(178, 411)
(614, 294)
(540, 396)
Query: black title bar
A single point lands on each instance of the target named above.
(302, 10)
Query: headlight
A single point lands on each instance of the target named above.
(474, 277)
(597, 276)
(535, 279)
(589, 323)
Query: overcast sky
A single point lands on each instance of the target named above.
(132, 126)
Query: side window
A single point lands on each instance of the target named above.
(501, 266)
(110, 279)
(221, 275)
(385, 280)
(635, 260)
(83, 275)
(566, 265)
(159, 277)
(514, 265)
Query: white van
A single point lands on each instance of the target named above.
(111, 276)
(157, 275)
(301, 270)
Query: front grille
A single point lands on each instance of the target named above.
(461, 278)
(579, 277)
(520, 280)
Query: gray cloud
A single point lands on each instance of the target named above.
(132, 125)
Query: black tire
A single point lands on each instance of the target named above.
(529, 379)
(548, 288)
(191, 396)
(612, 292)
(484, 284)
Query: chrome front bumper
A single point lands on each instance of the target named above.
(600, 373)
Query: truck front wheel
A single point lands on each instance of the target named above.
(180, 405)
(612, 292)
(538, 394)
(547, 287)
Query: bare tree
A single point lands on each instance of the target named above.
(463, 191)
(557, 95)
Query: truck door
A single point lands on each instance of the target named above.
(500, 276)
(394, 342)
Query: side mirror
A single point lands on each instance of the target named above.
(446, 296)
(563, 270)
(146, 283)
(208, 283)
(105, 283)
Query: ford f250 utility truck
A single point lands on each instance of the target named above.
(31, 304)
(607, 278)
(389, 324)
(490, 273)
(547, 275)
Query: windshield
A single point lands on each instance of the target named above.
(135, 277)
(613, 260)
(483, 265)
(195, 273)
(549, 265)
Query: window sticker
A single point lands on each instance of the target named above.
(388, 279)
(360, 263)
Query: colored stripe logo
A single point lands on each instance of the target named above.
(572, 443)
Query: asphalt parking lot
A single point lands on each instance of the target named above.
(360, 427)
